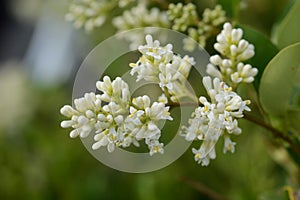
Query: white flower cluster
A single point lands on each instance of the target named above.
(119, 121)
(214, 17)
(116, 119)
(186, 19)
(183, 16)
(89, 14)
(215, 119)
(211, 20)
(138, 17)
(159, 64)
(142, 123)
(234, 51)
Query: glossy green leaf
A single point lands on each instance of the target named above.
(230, 6)
(265, 50)
(280, 80)
(288, 30)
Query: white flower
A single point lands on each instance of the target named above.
(108, 138)
(185, 19)
(104, 113)
(183, 16)
(225, 65)
(158, 111)
(214, 16)
(213, 71)
(163, 99)
(153, 55)
(234, 51)
(83, 117)
(142, 123)
(189, 43)
(202, 156)
(114, 91)
(89, 14)
(138, 17)
(228, 42)
(216, 118)
(228, 145)
(173, 76)
(115, 118)
(110, 122)
(160, 65)
(244, 73)
(154, 146)
(198, 125)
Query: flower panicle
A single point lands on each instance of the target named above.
(139, 16)
(234, 51)
(185, 19)
(92, 14)
(159, 64)
(121, 121)
(115, 118)
(215, 119)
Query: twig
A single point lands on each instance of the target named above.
(274, 131)
(203, 189)
(186, 103)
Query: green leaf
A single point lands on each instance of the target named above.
(288, 30)
(280, 80)
(286, 9)
(293, 119)
(265, 50)
(231, 7)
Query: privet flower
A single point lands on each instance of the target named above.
(214, 17)
(89, 14)
(115, 119)
(83, 116)
(211, 20)
(214, 119)
(142, 123)
(160, 65)
(182, 16)
(234, 51)
(185, 19)
(138, 17)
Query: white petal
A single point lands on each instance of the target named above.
(74, 133)
(110, 147)
(67, 111)
(67, 123)
(96, 145)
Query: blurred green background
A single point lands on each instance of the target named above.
(40, 54)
